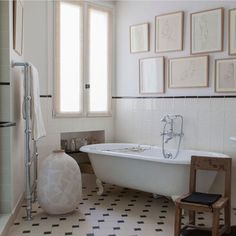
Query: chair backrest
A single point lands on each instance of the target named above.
(211, 164)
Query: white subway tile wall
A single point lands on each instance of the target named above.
(56, 126)
(208, 124)
(4, 73)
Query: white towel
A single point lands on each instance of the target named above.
(38, 129)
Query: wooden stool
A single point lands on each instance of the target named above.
(224, 202)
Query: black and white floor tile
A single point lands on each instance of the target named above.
(118, 212)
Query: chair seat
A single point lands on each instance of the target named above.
(218, 204)
(197, 232)
(202, 198)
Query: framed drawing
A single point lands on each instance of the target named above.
(139, 38)
(151, 75)
(206, 34)
(225, 75)
(169, 32)
(17, 26)
(232, 32)
(188, 72)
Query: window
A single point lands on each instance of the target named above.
(98, 60)
(83, 59)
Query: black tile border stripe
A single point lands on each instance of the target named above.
(46, 96)
(169, 97)
(4, 83)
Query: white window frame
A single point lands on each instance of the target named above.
(86, 5)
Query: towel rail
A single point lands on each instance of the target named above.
(30, 192)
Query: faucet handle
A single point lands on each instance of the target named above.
(163, 119)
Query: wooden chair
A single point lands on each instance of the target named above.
(224, 202)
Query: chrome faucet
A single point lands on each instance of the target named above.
(169, 134)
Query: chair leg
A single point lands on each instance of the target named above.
(192, 217)
(178, 214)
(215, 222)
(227, 212)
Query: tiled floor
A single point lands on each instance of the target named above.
(119, 212)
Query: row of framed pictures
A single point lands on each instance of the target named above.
(185, 72)
(206, 32)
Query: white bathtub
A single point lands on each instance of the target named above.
(144, 168)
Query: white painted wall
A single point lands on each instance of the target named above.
(11, 138)
(17, 133)
(203, 117)
(208, 123)
(5, 133)
(38, 49)
(135, 12)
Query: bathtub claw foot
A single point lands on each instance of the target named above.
(156, 196)
(100, 187)
(174, 197)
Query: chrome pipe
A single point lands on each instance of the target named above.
(27, 106)
(35, 171)
(27, 141)
(33, 187)
(19, 64)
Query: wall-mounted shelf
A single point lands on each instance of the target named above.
(72, 152)
(7, 124)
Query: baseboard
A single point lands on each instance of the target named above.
(11, 218)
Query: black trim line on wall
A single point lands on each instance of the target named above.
(4, 83)
(46, 96)
(214, 96)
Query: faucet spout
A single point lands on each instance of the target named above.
(167, 139)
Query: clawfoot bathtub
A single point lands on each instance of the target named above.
(144, 168)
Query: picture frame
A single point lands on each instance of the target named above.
(188, 72)
(17, 26)
(169, 29)
(140, 38)
(225, 75)
(232, 32)
(207, 31)
(151, 75)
